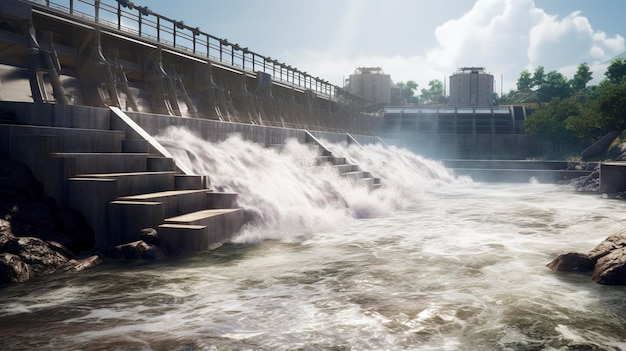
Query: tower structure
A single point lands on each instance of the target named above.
(471, 86)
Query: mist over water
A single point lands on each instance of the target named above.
(426, 262)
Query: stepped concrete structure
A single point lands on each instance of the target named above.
(85, 85)
(107, 165)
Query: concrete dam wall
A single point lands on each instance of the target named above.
(97, 53)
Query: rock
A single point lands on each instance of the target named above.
(613, 242)
(150, 236)
(134, 251)
(34, 231)
(60, 248)
(13, 269)
(611, 268)
(82, 264)
(37, 253)
(572, 262)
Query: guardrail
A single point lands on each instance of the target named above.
(140, 21)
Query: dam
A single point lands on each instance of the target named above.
(355, 244)
(87, 85)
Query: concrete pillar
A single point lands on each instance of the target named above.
(612, 177)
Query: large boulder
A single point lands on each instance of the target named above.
(38, 254)
(13, 269)
(611, 268)
(613, 242)
(607, 260)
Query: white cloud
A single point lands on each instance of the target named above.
(505, 36)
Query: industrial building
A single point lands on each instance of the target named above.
(471, 86)
(370, 83)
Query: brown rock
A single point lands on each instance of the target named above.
(611, 268)
(150, 236)
(13, 269)
(36, 252)
(613, 242)
(135, 251)
(572, 262)
(82, 264)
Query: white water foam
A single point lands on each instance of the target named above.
(289, 196)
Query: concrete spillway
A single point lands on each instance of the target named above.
(107, 164)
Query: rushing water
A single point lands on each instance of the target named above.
(426, 262)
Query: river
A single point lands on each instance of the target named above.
(429, 261)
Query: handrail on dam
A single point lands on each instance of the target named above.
(140, 21)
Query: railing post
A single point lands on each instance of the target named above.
(96, 4)
(158, 28)
(208, 45)
(194, 41)
(119, 16)
(71, 7)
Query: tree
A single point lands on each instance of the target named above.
(539, 76)
(525, 81)
(611, 103)
(434, 94)
(555, 85)
(616, 71)
(582, 77)
(407, 92)
(549, 122)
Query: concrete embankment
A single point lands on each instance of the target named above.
(520, 171)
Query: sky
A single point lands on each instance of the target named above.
(415, 39)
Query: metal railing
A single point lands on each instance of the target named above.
(140, 21)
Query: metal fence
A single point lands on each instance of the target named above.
(140, 21)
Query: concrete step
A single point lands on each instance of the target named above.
(135, 183)
(74, 139)
(320, 160)
(125, 219)
(175, 202)
(160, 164)
(372, 183)
(217, 200)
(333, 160)
(181, 238)
(135, 146)
(80, 163)
(346, 168)
(196, 231)
(190, 182)
(356, 175)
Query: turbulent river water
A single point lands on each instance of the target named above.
(429, 261)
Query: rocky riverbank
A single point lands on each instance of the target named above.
(39, 237)
(607, 261)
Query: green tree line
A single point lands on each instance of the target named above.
(567, 111)
(431, 95)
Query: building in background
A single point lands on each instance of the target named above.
(370, 83)
(471, 86)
